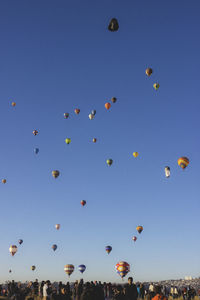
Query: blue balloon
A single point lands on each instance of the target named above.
(36, 150)
(82, 268)
(54, 247)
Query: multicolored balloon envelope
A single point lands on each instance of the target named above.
(69, 269)
(77, 111)
(156, 86)
(20, 241)
(13, 104)
(122, 268)
(33, 268)
(54, 247)
(55, 173)
(66, 115)
(139, 229)
(91, 116)
(94, 140)
(93, 112)
(108, 249)
(82, 268)
(68, 141)
(109, 162)
(149, 71)
(107, 105)
(13, 249)
(134, 238)
(183, 162)
(83, 202)
(35, 132)
(135, 154)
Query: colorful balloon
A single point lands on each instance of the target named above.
(149, 71)
(83, 202)
(139, 229)
(13, 104)
(82, 268)
(107, 105)
(135, 154)
(156, 86)
(183, 162)
(68, 141)
(54, 247)
(93, 112)
(134, 238)
(94, 140)
(55, 173)
(167, 172)
(57, 226)
(13, 249)
(36, 150)
(109, 162)
(77, 111)
(91, 116)
(66, 115)
(35, 132)
(33, 268)
(3, 181)
(20, 241)
(113, 99)
(122, 268)
(69, 269)
(108, 249)
(113, 25)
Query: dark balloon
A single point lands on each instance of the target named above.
(113, 25)
(20, 241)
(54, 247)
(113, 99)
(108, 249)
(93, 112)
(36, 150)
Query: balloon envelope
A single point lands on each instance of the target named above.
(13, 249)
(69, 269)
(134, 238)
(66, 115)
(113, 25)
(149, 71)
(135, 154)
(33, 268)
(68, 141)
(57, 226)
(82, 268)
(55, 173)
(167, 172)
(3, 180)
(183, 162)
(20, 241)
(107, 105)
(77, 111)
(156, 86)
(83, 202)
(54, 247)
(35, 132)
(36, 150)
(139, 229)
(109, 162)
(91, 116)
(122, 268)
(108, 249)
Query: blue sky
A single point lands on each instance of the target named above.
(56, 56)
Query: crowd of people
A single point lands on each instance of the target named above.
(93, 291)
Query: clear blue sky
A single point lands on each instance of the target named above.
(57, 55)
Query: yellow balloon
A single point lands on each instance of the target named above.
(68, 141)
(135, 154)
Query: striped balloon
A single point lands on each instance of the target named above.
(108, 249)
(13, 249)
(122, 268)
(69, 269)
(82, 268)
(183, 162)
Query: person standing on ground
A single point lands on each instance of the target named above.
(131, 290)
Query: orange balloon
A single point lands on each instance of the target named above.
(107, 105)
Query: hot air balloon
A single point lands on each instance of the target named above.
(69, 269)
(68, 141)
(55, 173)
(135, 154)
(113, 25)
(83, 202)
(13, 104)
(139, 229)
(156, 86)
(109, 162)
(35, 132)
(107, 105)
(122, 268)
(57, 226)
(94, 140)
(3, 181)
(108, 249)
(82, 268)
(10, 271)
(77, 111)
(66, 115)
(167, 172)
(54, 247)
(149, 71)
(36, 150)
(134, 238)
(13, 249)
(33, 268)
(93, 112)
(183, 162)
(91, 116)
(113, 99)
(20, 241)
